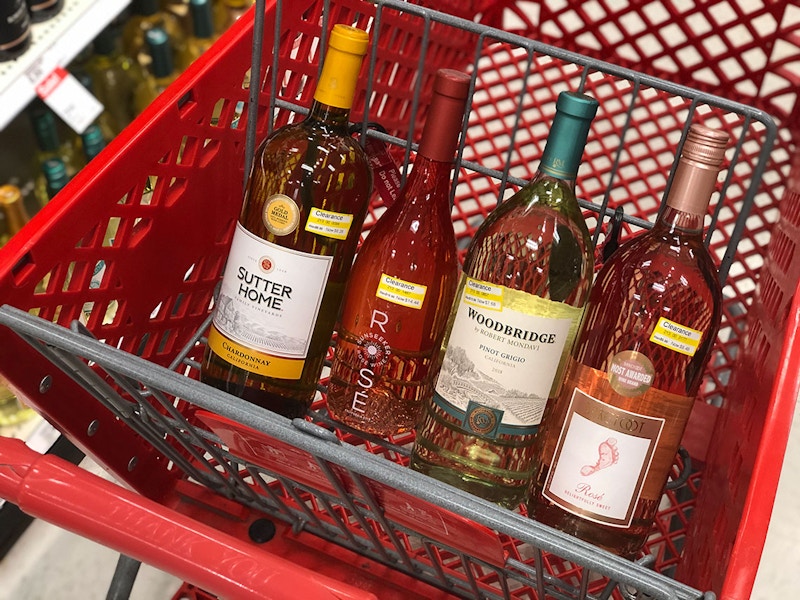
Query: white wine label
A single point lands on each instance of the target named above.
(601, 460)
(503, 358)
(268, 302)
(328, 223)
(676, 337)
(280, 214)
(398, 291)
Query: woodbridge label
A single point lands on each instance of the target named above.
(503, 356)
(267, 306)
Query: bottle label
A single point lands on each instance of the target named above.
(267, 306)
(676, 337)
(601, 460)
(398, 291)
(328, 223)
(607, 457)
(503, 358)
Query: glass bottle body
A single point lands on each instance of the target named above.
(15, 29)
(649, 328)
(308, 193)
(395, 312)
(42, 10)
(115, 78)
(146, 16)
(528, 268)
(202, 35)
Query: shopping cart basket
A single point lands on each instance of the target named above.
(134, 247)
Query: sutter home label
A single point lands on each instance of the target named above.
(503, 354)
(267, 306)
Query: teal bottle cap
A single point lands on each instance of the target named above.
(54, 169)
(568, 133)
(202, 19)
(577, 105)
(160, 50)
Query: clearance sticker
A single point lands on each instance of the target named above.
(328, 223)
(676, 337)
(483, 295)
(401, 292)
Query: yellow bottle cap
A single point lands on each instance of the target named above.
(346, 49)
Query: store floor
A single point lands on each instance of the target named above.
(50, 564)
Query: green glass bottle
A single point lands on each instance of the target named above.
(146, 15)
(526, 279)
(115, 77)
(202, 32)
(162, 69)
(49, 140)
(52, 178)
(93, 141)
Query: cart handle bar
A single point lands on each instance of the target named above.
(55, 490)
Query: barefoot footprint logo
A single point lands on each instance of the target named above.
(608, 455)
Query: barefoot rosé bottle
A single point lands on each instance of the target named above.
(402, 285)
(607, 445)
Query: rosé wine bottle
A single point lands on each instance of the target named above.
(607, 445)
(402, 285)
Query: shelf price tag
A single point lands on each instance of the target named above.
(63, 93)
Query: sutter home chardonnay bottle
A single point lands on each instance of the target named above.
(305, 203)
(526, 279)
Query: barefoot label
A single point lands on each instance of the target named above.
(601, 460)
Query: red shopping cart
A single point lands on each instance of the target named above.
(112, 361)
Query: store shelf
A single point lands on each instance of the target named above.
(55, 43)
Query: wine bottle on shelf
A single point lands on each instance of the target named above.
(402, 285)
(115, 77)
(93, 141)
(52, 178)
(49, 140)
(227, 12)
(15, 29)
(293, 247)
(202, 36)
(13, 206)
(146, 15)
(526, 279)
(43, 10)
(607, 445)
(162, 70)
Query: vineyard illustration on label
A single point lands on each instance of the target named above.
(460, 380)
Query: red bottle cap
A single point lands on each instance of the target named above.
(440, 135)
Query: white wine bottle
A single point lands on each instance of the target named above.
(305, 204)
(526, 279)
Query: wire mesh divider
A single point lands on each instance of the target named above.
(342, 505)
